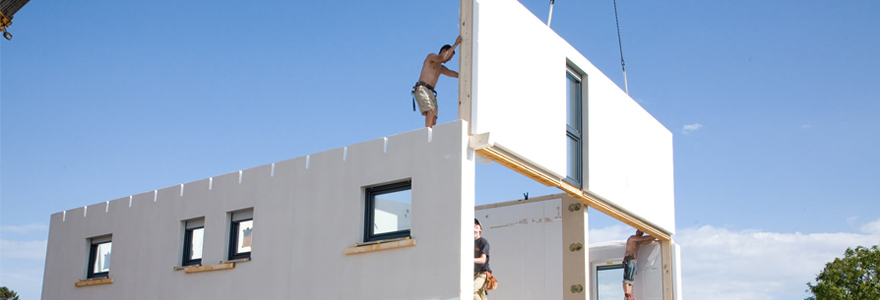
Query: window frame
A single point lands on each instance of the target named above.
(233, 240)
(370, 194)
(575, 133)
(187, 246)
(94, 244)
(600, 268)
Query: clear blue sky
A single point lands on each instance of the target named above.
(773, 105)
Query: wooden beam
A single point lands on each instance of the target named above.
(596, 202)
(217, 267)
(91, 282)
(465, 61)
(668, 278)
(380, 246)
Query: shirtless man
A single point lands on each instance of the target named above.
(423, 92)
(629, 260)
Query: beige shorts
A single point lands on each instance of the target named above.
(426, 99)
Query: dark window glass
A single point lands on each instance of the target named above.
(388, 211)
(574, 143)
(242, 235)
(99, 259)
(192, 249)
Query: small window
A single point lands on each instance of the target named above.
(388, 211)
(99, 257)
(608, 282)
(241, 235)
(193, 242)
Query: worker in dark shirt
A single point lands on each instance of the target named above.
(481, 262)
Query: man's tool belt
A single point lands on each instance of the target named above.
(491, 282)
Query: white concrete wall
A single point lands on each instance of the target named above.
(527, 248)
(519, 98)
(305, 216)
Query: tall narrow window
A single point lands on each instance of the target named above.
(99, 257)
(241, 234)
(388, 211)
(574, 129)
(193, 242)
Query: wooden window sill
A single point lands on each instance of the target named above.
(93, 281)
(381, 245)
(200, 268)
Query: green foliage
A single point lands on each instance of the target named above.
(853, 277)
(7, 294)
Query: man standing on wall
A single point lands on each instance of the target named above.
(423, 92)
(629, 260)
(481, 262)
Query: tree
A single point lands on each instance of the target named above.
(7, 294)
(853, 277)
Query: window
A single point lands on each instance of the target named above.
(574, 129)
(241, 234)
(608, 282)
(193, 242)
(99, 257)
(388, 211)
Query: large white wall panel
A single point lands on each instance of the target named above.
(519, 83)
(525, 249)
(306, 211)
(519, 98)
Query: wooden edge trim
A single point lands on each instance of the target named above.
(217, 267)
(465, 61)
(668, 278)
(95, 281)
(513, 164)
(380, 246)
(576, 192)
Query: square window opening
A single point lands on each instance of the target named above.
(241, 235)
(193, 244)
(99, 257)
(388, 211)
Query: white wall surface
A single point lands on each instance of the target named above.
(525, 249)
(305, 216)
(519, 82)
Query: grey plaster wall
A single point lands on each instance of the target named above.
(306, 210)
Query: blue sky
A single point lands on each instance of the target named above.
(773, 108)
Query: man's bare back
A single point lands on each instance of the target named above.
(634, 242)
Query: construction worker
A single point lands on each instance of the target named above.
(481, 262)
(629, 260)
(423, 92)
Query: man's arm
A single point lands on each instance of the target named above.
(446, 71)
(646, 239)
(481, 259)
(448, 54)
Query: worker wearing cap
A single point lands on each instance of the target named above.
(481, 262)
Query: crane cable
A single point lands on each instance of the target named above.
(620, 44)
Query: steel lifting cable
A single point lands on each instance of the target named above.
(620, 44)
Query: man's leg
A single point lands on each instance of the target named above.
(430, 118)
(480, 286)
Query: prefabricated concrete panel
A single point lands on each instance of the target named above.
(306, 212)
(518, 84)
(519, 98)
(525, 249)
